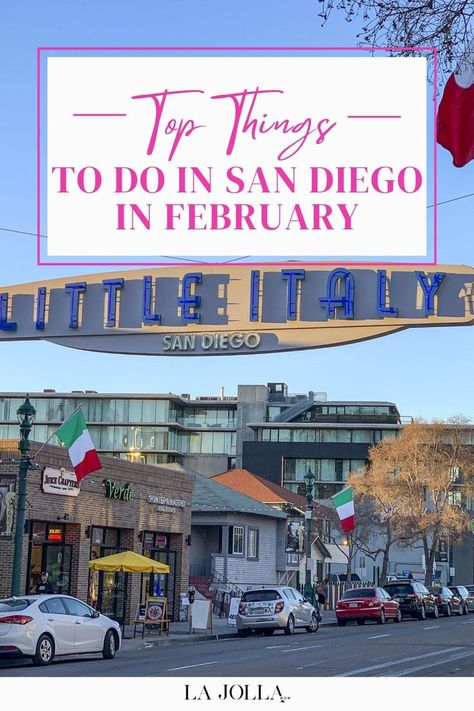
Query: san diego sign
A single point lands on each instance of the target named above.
(229, 310)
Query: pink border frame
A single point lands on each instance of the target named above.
(237, 49)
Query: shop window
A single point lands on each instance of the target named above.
(111, 537)
(252, 544)
(236, 540)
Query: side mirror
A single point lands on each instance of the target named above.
(96, 614)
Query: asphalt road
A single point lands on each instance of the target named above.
(443, 647)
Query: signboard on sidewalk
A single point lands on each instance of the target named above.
(233, 610)
(201, 615)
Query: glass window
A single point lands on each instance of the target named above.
(362, 436)
(289, 594)
(76, 607)
(261, 596)
(38, 532)
(108, 410)
(14, 604)
(236, 540)
(252, 545)
(111, 537)
(359, 592)
(54, 606)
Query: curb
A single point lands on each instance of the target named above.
(187, 639)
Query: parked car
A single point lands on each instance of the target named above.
(466, 597)
(414, 598)
(363, 604)
(276, 608)
(45, 626)
(448, 603)
(470, 588)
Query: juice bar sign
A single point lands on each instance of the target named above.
(222, 310)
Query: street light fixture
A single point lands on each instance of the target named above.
(26, 415)
(309, 481)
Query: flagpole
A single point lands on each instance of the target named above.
(54, 433)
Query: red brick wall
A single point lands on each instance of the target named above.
(92, 508)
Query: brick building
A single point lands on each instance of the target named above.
(124, 506)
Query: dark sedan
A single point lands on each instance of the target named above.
(414, 599)
(466, 597)
(448, 603)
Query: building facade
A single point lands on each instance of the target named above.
(263, 429)
(124, 506)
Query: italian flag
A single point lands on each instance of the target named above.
(455, 124)
(76, 438)
(344, 503)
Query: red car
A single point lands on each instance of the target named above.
(363, 604)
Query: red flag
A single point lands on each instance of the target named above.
(455, 127)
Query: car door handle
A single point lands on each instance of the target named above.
(77, 622)
(50, 619)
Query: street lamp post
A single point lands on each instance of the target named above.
(26, 415)
(309, 481)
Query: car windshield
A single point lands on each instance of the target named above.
(14, 604)
(359, 592)
(397, 589)
(261, 596)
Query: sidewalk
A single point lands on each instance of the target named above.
(179, 633)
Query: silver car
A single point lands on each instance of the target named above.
(275, 608)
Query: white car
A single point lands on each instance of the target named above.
(44, 626)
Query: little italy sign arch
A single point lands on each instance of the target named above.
(222, 310)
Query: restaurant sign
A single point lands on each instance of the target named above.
(226, 310)
(59, 481)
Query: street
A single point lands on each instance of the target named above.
(443, 647)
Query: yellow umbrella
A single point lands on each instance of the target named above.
(128, 562)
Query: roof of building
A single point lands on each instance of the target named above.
(267, 492)
(211, 497)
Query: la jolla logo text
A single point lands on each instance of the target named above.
(235, 692)
(199, 156)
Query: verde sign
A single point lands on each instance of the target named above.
(124, 492)
(226, 310)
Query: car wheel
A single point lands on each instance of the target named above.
(314, 626)
(398, 617)
(381, 620)
(448, 611)
(44, 651)
(110, 645)
(341, 623)
(435, 612)
(422, 613)
(290, 625)
(361, 622)
(268, 633)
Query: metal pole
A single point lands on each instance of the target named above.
(26, 414)
(308, 586)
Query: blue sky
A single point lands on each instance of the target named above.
(427, 372)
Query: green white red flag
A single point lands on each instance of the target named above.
(344, 503)
(455, 124)
(76, 438)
